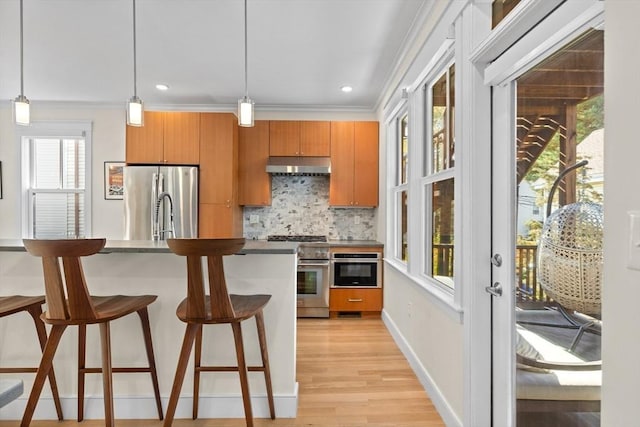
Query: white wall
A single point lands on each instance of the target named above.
(620, 313)
(430, 333)
(108, 145)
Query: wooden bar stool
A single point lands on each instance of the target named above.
(70, 303)
(218, 306)
(33, 305)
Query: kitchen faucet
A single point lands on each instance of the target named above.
(158, 234)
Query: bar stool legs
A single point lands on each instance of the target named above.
(43, 372)
(35, 313)
(82, 369)
(187, 344)
(196, 372)
(262, 337)
(148, 343)
(32, 305)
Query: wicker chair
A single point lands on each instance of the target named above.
(570, 260)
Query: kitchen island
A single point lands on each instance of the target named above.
(143, 267)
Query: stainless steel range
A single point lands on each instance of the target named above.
(313, 274)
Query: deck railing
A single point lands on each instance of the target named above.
(528, 288)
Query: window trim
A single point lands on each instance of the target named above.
(415, 105)
(53, 129)
(395, 188)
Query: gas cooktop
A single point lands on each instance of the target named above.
(296, 238)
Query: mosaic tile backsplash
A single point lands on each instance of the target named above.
(300, 205)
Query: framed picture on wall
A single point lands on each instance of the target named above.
(113, 180)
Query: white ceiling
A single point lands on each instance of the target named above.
(300, 52)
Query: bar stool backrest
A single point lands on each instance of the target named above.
(213, 249)
(67, 298)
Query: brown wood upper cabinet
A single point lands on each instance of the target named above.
(166, 137)
(299, 138)
(354, 164)
(253, 153)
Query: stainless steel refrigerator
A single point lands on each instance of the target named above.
(160, 202)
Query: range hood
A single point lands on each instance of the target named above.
(299, 165)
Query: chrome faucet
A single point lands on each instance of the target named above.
(159, 234)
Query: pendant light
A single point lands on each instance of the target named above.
(245, 104)
(135, 107)
(21, 115)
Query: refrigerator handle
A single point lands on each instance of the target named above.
(155, 220)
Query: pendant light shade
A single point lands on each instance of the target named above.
(245, 112)
(21, 113)
(245, 104)
(135, 106)
(135, 112)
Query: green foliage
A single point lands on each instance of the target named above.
(535, 230)
(590, 117)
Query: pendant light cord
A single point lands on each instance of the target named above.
(246, 86)
(21, 54)
(135, 79)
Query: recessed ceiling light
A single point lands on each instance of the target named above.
(346, 89)
(162, 86)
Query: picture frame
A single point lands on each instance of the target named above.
(113, 180)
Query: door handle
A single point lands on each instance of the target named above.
(355, 300)
(495, 290)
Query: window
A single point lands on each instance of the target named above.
(55, 184)
(400, 189)
(438, 178)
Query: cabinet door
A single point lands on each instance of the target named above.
(253, 152)
(365, 179)
(315, 139)
(144, 144)
(342, 163)
(284, 138)
(219, 221)
(218, 158)
(182, 138)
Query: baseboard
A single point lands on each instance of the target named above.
(139, 407)
(439, 401)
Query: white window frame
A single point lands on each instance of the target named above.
(57, 130)
(418, 218)
(396, 187)
(428, 177)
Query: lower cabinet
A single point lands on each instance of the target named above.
(366, 301)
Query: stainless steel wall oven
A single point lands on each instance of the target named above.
(312, 275)
(356, 270)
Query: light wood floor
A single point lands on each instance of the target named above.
(351, 374)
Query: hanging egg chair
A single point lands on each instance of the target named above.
(570, 257)
(570, 253)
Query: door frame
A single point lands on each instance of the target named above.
(561, 26)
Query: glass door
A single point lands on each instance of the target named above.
(547, 218)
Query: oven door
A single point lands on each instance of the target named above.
(313, 288)
(355, 273)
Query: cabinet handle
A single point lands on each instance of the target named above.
(355, 300)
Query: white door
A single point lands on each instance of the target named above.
(568, 23)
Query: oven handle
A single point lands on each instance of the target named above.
(313, 264)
